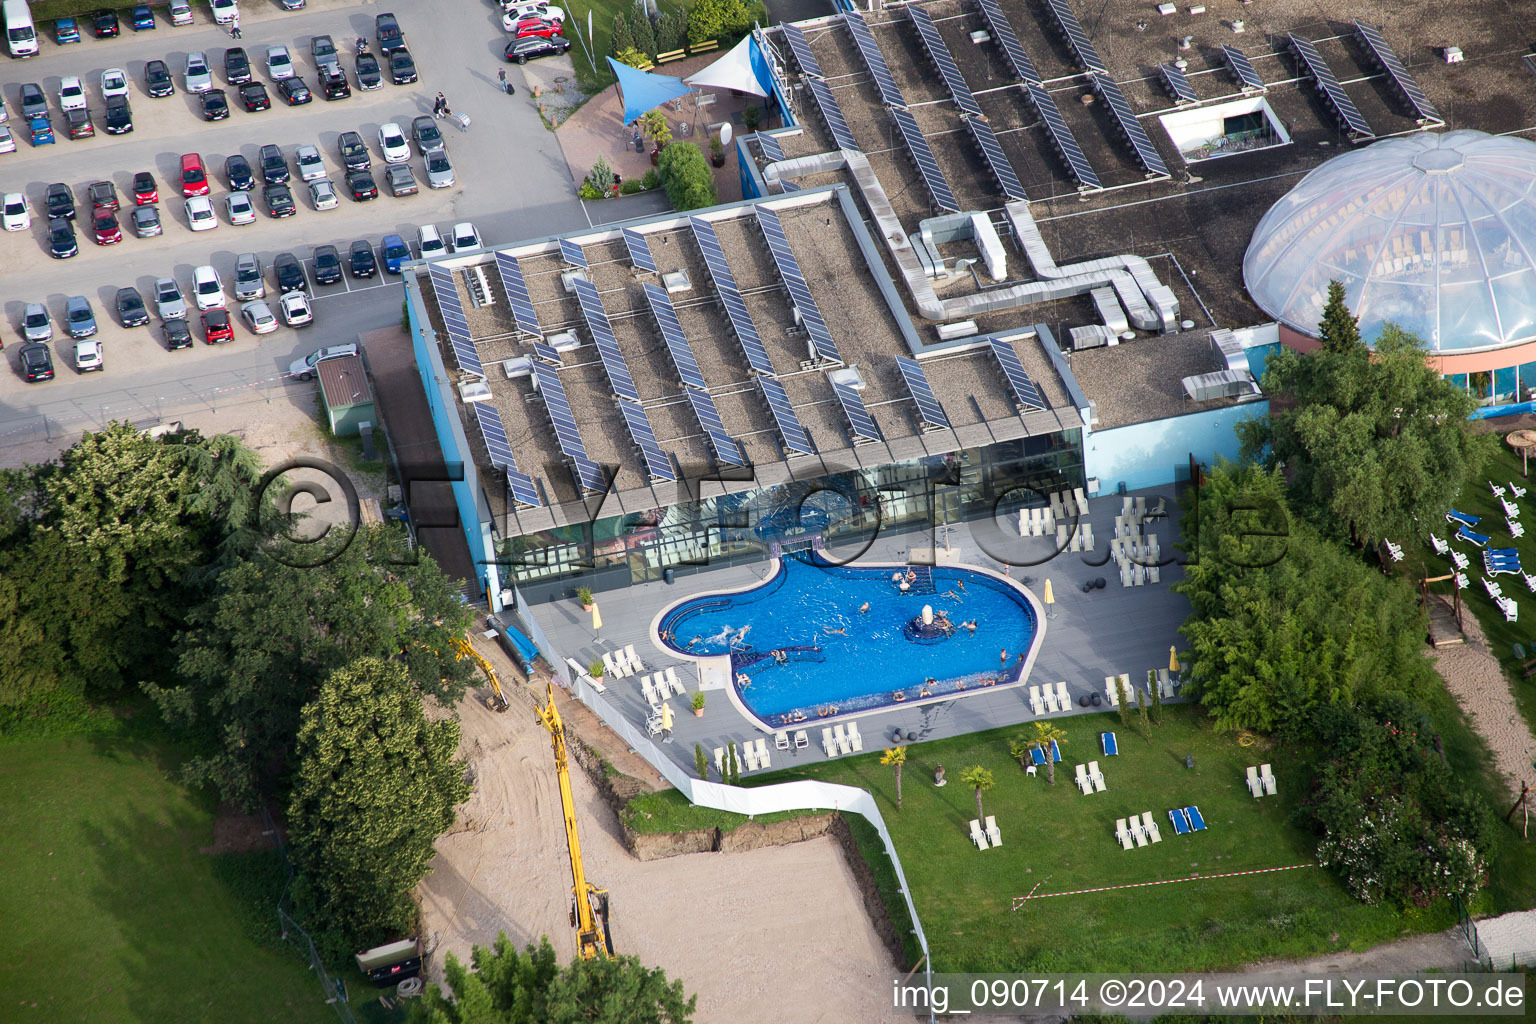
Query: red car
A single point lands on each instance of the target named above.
(194, 176)
(145, 191)
(536, 27)
(217, 327)
(104, 224)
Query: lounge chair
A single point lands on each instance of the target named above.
(993, 832)
(1511, 510)
(1519, 491)
(1107, 740)
(720, 761)
(976, 835)
(748, 755)
(781, 740)
(1096, 776)
(650, 693)
(1494, 590)
(676, 683)
(1063, 699)
(1440, 546)
(1268, 778)
(1510, 609)
(1050, 701)
(635, 664)
(1497, 490)
(1055, 752)
(1254, 785)
(843, 746)
(1111, 691)
(762, 753)
(1137, 832)
(1180, 823)
(1476, 539)
(1037, 756)
(802, 740)
(1082, 501)
(826, 742)
(855, 740)
(1195, 821)
(1516, 528)
(1083, 782)
(1462, 582)
(1124, 835)
(1150, 827)
(1461, 518)
(653, 722)
(1035, 704)
(1460, 559)
(612, 666)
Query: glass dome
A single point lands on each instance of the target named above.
(1436, 233)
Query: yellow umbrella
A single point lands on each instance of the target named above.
(666, 716)
(1050, 595)
(597, 618)
(1173, 659)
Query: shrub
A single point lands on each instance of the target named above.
(601, 176)
(752, 117)
(686, 176)
(700, 762)
(631, 56)
(641, 28)
(654, 124)
(630, 187)
(623, 37)
(589, 191)
(651, 180)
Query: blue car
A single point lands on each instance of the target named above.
(143, 18)
(395, 252)
(66, 31)
(42, 132)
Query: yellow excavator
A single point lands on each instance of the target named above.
(589, 904)
(463, 650)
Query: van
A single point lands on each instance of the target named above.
(20, 33)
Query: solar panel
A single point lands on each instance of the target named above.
(639, 250)
(607, 345)
(730, 295)
(1066, 142)
(589, 475)
(1178, 84)
(1397, 71)
(801, 48)
(546, 352)
(790, 429)
(874, 59)
(859, 420)
(771, 148)
(1238, 61)
(725, 447)
(672, 334)
(1329, 84)
(946, 63)
(928, 406)
(500, 451)
(516, 287)
(922, 155)
(452, 310)
(572, 253)
(1003, 33)
(1024, 390)
(1077, 39)
(639, 424)
(1002, 169)
(794, 280)
(1147, 153)
(785, 185)
(832, 114)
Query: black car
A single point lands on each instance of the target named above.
(294, 91)
(238, 170)
(61, 239)
(253, 97)
(401, 180)
(215, 105)
(279, 200)
(237, 65)
(521, 51)
(354, 151)
(130, 308)
(333, 84)
(157, 80)
(362, 186)
(36, 362)
(274, 166)
(388, 30)
(33, 102)
(177, 334)
(78, 123)
(361, 261)
(103, 193)
(289, 272)
(119, 119)
(424, 131)
(327, 265)
(402, 69)
(61, 201)
(368, 77)
(105, 24)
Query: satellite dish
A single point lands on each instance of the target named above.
(725, 134)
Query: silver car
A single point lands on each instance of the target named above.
(199, 78)
(249, 283)
(439, 170)
(146, 221)
(79, 317)
(311, 167)
(168, 299)
(279, 63)
(36, 325)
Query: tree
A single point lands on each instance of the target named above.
(686, 175)
(980, 779)
(375, 784)
(1339, 329)
(1047, 733)
(700, 762)
(724, 20)
(623, 37)
(1019, 748)
(1141, 710)
(1157, 698)
(895, 757)
(506, 987)
(641, 28)
(1122, 702)
(671, 32)
(733, 771)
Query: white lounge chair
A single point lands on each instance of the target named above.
(1516, 528)
(1050, 701)
(1150, 827)
(650, 693)
(1461, 560)
(1494, 590)
(1511, 510)
(1255, 787)
(1462, 582)
(1268, 778)
(1511, 610)
(1035, 703)
(781, 740)
(1519, 491)
(720, 761)
(826, 742)
(1083, 782)
(762, 753)
(612, 667)
(802, 740)
(1496, 488)
(843, 746)
(855, 740)
(976, 835)
(993, 832)
(1123, 834)
(1063, 701)
(1095, 776)
(1440, 546)
(748, 756)
(1111, 691)
(1138, 833)
(635, 664)
(676, 683)
(1082, 501)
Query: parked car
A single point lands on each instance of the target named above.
(15, 214)
(66, 31)
(42, 131)
(327, 265)
(521, 51)
(354, 152)
(288, 272)
(368, 76)
(238, 170)
(294, 91)
(33, 102)
(169, 302)
(295, 309)
(304, 369)
(71, 93)
(240, 208)
(7, 140)
(105, 25)
(215, 105)
(119, 117)
(103, 193)
(114, 82)
(143, 18)
(79, 319)
(145, 221)
(323, 194)
(323, 51)
(224, 11)
(258, 317)
(291, 5)
(465, 238)
(157, 80)
(253, 97)
(249, 282)
(104, 226)
(237, 65)
(198, 77)
(279, 63)
(200, 215)
(145, 191)
(535, 27)
(361, 261)
(60, 201)
(180, 12)
(439, 170)
(36, 362)
(387, 29)
(333, 84)
(515, 15)
(217, 327)
(36, 324)
(400, 179)
(428, 138)
(78, 123)
(131, 311)
(311, 166)
(402, 67)
(207, 289)
(177, 334)
(361, 186)
(279, 200)
(194, 176)
(392, 143)
(395, 253)
(429, 243)
(88, 355)
(274, 166)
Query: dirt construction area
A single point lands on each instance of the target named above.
(774, 934)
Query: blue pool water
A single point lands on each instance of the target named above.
(831, 655)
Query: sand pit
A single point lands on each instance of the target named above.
(1474, 677)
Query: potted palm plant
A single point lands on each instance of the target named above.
(595, 670)
(654, 124)
(584, 596)
(698, 705)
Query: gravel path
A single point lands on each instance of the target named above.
(1475, 678)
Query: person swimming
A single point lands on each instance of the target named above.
(843, 631)
(971, 625)
(864, 608)
(911, 575)
(695, 640)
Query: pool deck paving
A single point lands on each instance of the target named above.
(1089, 635)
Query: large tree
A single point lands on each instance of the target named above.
(1376, 444)
(375, 784)
(508, 987)
(1338, 329)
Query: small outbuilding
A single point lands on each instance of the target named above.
(345, 394)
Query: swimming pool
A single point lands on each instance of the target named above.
(801, 648)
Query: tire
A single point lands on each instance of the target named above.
(522, 59)
(306, 376)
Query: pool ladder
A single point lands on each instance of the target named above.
(924, 582)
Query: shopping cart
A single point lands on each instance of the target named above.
(463, 121)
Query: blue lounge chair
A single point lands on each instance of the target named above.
(1180, 823)
(1472, 538)
(1195, 821)
(1036, 756)
(1110, 747)
(1461, 517)
(1055, 752)
(1503, 553)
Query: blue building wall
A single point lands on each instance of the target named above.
(1258, 359)
(1157, 454)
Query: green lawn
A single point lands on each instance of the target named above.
(594, 74)
(111, 912)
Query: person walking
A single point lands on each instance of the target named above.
(439, 106)
(234, 26)
(501, 76)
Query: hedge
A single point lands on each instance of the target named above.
(686, 176)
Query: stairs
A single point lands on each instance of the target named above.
(924, 582)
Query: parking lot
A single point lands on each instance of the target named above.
(509, 180)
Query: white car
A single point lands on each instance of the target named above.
(465, 238)
(258, 317)
(429, 242)
(392, 142)
(7, 140)
(88, 355)
(224, 11)
(114, 82)
(207, 289)
(17, 215)
(304, 369)
(279, 64)
(240, 209)
(168, 301)
(311, 167)
(295, 307)
(199, 78)
(516, 12)
(200, 215)
(323, 194)
(71, 93)
(439, 170)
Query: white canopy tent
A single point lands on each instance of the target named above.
(743, 68)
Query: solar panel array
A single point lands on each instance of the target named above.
(1329, 84)
(500, 450)
(946, 63)
(928, 406)
(794, 280)
(1178, 84)
(730, 295)
(1146, 153)
(1003, 33)
(452, 309)
(672, 333)
(1024, 389)
(790, 430)
(832, 114)
(771, 148)
(589, 475)
(874, 59)
(1238, 61)
(1066, 142)
(639, 250)
(1077, 39)
(572, 253)
(922, 155)
(516, 287)
(607, 345)
(725, 447)
(801, 48)
(1002, 169)
(548, 353)
(859, 420)
(1397, 71)
(639, 424)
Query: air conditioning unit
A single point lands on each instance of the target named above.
(474, 391)
(565, 341)
(522, 366)
(478, 287)
(568, 276)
